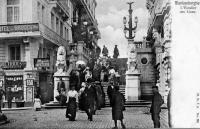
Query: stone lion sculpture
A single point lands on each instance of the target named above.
(132, 61)
(61, 59)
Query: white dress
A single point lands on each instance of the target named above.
(73, 94)
(37, 104)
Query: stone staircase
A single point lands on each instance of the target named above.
(139, 103)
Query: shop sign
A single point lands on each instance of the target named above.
(42, 62)
(31, 27)
(14, 80)
(29, 82)
(13, 65)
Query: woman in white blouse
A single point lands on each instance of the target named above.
(72, 102)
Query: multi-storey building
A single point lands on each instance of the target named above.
(30, 33)
(159, 34)
(85, 29)
(145, 65)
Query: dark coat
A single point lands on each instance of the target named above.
(60, 85)
(110, 91)
(96, 72)
(99, 96)
(90, 97)
(157, 102)
(117, 104)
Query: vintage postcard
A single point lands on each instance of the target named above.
(99, 64)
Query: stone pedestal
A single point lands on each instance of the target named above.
(132, 89)
(65, 78)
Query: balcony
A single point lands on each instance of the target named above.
(52, 36)
(32, 30)
(13, 65)
(144, 46)
(138, 45)
(62, 8)
(79, 51)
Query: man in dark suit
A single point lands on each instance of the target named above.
(110, 90)
(90, 99)
(155, 110)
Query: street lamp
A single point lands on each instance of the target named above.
(130, 28)
(88, 32)
(85, 23)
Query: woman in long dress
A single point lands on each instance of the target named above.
(117, 104)
(72, 101)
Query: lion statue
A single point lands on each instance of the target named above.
(61, 59)
(132, 60)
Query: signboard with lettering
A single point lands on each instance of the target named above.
(29, 82)
(19, 28)
(42, 62)
(13, 65)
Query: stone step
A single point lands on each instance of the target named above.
(139, 103)
(52, 105)
(105, 86)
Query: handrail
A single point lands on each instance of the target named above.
(52, 35)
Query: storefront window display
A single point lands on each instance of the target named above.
(15, 83)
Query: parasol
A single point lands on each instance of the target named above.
(81, 62)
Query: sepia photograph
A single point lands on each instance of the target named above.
(99, 64)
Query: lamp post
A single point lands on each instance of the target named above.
(132, 92)
(130, 27)
(132, 59)
(85, 23)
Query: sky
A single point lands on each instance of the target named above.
(110, 13)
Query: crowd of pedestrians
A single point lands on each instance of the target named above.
(90, 97)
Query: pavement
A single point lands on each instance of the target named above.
(134, 117)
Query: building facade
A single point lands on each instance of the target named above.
(30, 33)
(85, 30)
(159, 34)
(145, 65)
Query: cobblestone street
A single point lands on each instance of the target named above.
(136, 117)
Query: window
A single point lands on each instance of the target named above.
(43, 14)
(12, 11)
(14, 52)
(52, 21)
(61, 29)
(144, 60)
(67, 1)
(67, 34)
(38, 11)
(57, 25)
